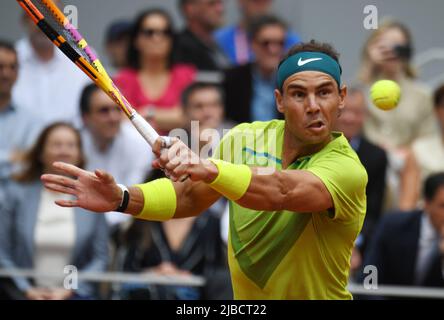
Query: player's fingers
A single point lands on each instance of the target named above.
(60, 180)
(59, 188)
(69, 169)
(157, 147)
(156, 164)
(67, 203)
(104, 176)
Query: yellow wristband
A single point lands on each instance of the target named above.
(159, 200)
(233, 180)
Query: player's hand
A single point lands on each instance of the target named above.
(96, 191)
(179, 162)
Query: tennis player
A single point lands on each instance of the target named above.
(292, 228)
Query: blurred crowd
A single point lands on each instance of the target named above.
(219, 75)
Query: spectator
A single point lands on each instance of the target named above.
(373, 158)
(425, 158)
(110, 143)
(117, 42)
(196, 44)
(183, 246)
(36, 233)
(386, 55)
(153, 83)
(407, 248)
(250, 88)
(234, 39)
(203, 103)
(48, 83)
(19, 128)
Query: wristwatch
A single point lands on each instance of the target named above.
(125, 198)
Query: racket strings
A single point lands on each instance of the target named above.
(52, 19)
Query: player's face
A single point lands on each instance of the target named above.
(8, 71)
(61, 145)
(104, 117)
(351, 120)
(206, 106)
(311, 103)
(435, 209)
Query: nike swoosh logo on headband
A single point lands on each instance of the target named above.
(304, 62)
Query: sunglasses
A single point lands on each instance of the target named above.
(267, 43)
(149, 33)
(105, 110)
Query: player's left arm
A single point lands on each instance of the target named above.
(292, 190)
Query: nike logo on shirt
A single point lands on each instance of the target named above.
(304, 62)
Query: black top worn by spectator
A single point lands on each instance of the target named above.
(191, 50)
(238, 87)
(202, 253)
(374, 160)
(394, 250)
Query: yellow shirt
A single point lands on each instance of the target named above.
(290, 255)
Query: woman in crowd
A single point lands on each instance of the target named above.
(154, 82)
(387, 55)
(35, 233)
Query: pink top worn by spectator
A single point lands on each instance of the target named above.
(128, 82)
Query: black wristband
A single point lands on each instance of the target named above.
(125, 199)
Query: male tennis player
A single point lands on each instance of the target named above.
(292, 229)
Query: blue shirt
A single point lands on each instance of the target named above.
(263, 104)
(228, 36)
(18, 130)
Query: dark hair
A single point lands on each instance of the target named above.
(133, 56)
(438, 97)
(258, 23)
(432, 184)
(6, 45)
(196, 86)
(32, 159)
(313, 46)
(85, 98)
(117, 30)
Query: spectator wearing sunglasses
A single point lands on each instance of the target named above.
(249, 88)
(154, 83)
(233, 39)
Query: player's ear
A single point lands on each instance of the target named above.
(342, 95)
(279, 100)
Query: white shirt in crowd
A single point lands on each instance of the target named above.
(54, 238)
(128, 159)
(51, 89)
(428, 243)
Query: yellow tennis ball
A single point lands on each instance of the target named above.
(385, 94)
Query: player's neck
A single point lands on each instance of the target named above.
(294, 149)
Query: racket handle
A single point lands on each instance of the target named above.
(144, 128)
(147, 131)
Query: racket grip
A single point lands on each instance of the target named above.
(144, 128)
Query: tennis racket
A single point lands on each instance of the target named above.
(54, 24)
